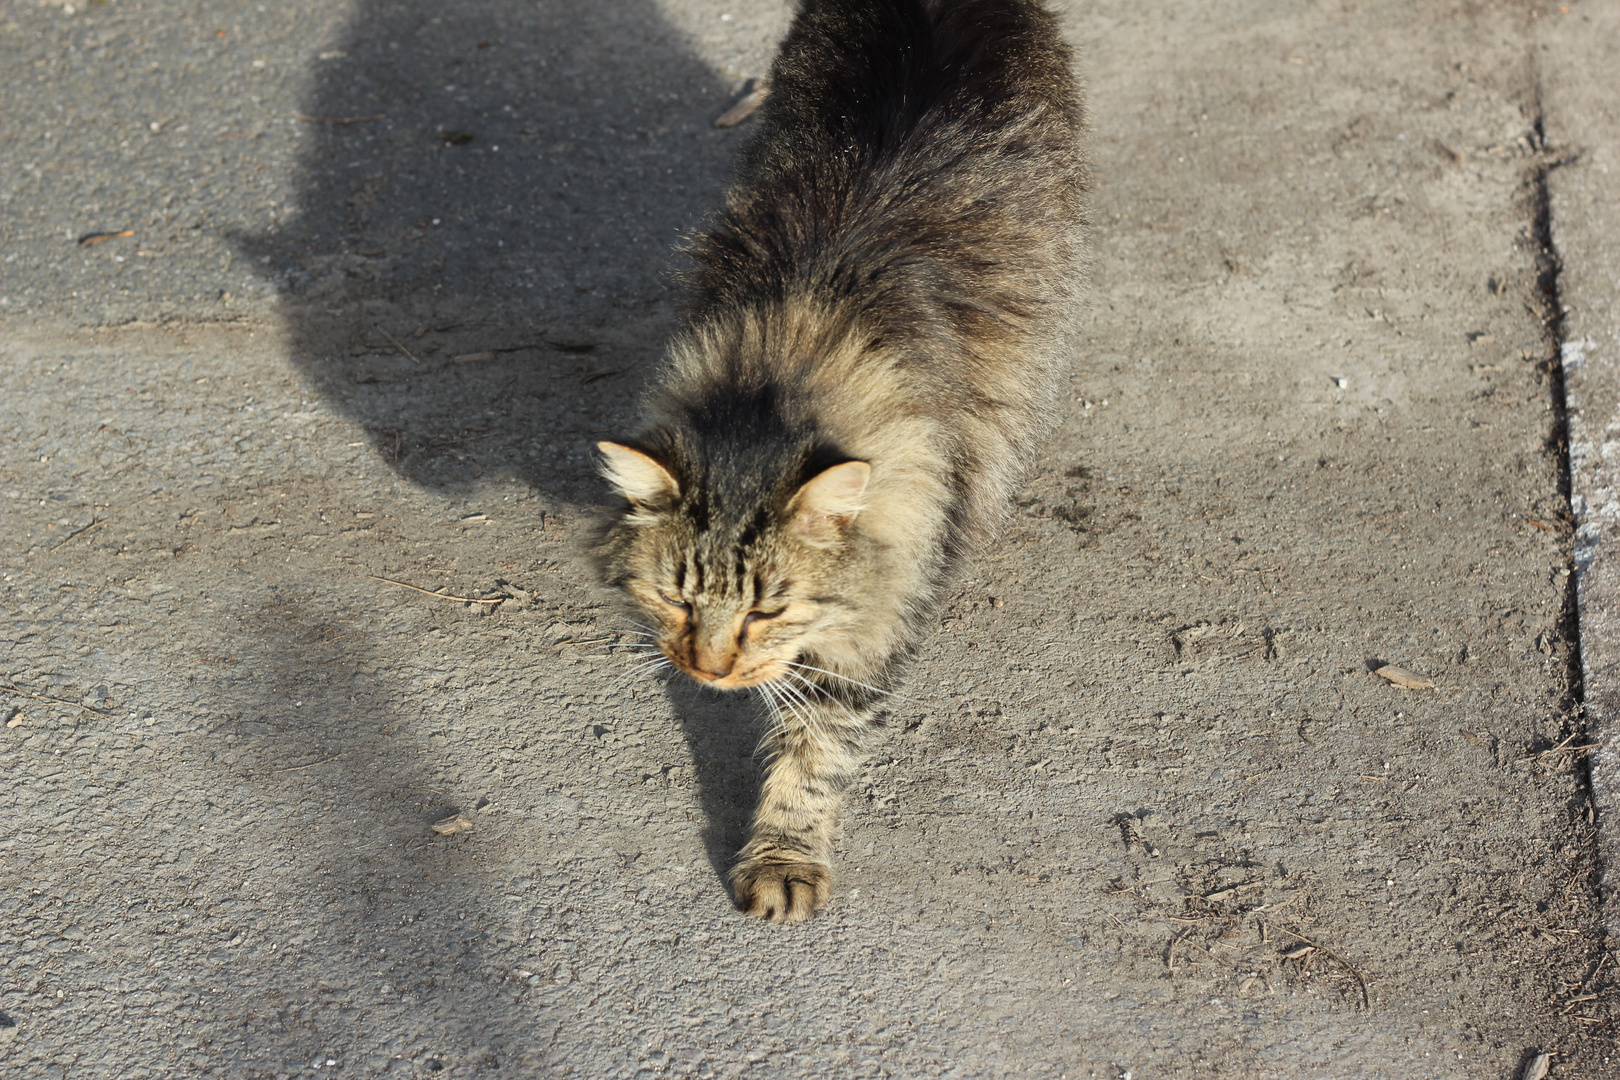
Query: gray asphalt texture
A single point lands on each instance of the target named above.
(1146, 811)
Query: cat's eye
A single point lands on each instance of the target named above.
(758, 616)
(675, 602)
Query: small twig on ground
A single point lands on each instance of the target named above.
(91, 239)
(298, 768)
(440, 595)
(1170, 957)
(1563, 748)
(97, 522)
(1580, 991)
(1366, 998)
(339, 119)
(76, 533)
(46, 697)
(1604, 959)
(1565, 741)
(398, 345)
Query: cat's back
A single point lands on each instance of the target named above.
(910, 150)
(896, 274)
(858, 81)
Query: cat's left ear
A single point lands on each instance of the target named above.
(830, 498)
(639, 477)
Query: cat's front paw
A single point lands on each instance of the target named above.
(781, 887)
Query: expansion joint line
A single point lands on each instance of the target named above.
(1549, 306)
(1550, 302)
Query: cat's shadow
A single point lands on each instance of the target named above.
(722, 732)
(473, 268)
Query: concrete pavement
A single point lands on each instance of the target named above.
(1148, 812)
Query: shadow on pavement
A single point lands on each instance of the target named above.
(476, 274)
(722, 731)
(323, 752)
(476, 269)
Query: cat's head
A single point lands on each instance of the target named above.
(738, 572)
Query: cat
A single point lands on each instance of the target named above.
(873, 328)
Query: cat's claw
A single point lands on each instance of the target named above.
(781, 890)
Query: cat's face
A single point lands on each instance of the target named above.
(734, 599)
(730, 634)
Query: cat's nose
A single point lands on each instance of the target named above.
(713, 665)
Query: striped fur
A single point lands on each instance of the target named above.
(894, 281)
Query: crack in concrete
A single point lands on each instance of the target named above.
(1562, 354)
(1548, 268)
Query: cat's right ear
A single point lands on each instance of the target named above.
(639, 477)
(830, 499)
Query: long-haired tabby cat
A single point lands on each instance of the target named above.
(866, 360)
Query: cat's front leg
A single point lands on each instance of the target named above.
(784, 872)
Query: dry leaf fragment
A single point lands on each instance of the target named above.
(745, 107)
(1537, 1067)
(1299, 953)
(1403, 678)
(452, 825)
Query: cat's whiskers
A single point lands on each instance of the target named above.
(773, 740)
(770, 701)
(778, 722)
(645, 666)
(823, 694)
(789, 701)
(646, 663)
(653, 664)
(772, 697)
(823, 706)
(852, 682)
(856, 718)
(799, 696)
(612, 655)
(817, 733)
